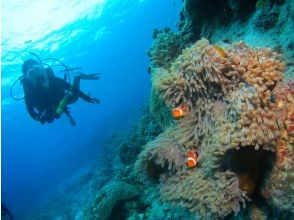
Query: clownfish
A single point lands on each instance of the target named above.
(180, 111)
(220, 51)
(192, 159)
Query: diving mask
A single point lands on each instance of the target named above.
(37, 75)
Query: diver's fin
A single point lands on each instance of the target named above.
(70, 118)
(92, 76)
(89, 98)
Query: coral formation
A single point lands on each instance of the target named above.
(108, 197)
(121, 197)
(263, 23)
(267, 21)
(239, 108)
(166, 47)
(159, 110)
(204, 196)
(131, 145)
(280, 183)
(163, 151)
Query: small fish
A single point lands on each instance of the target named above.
(220, 51)
(192, 159)
(180, 111)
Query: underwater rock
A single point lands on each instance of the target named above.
(232, 118)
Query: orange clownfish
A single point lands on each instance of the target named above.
(220, 51)
(180, 111)
(192, 159)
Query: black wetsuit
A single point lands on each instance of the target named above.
(41, 102)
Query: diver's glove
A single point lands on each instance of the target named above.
(94, 100)
(42, 117)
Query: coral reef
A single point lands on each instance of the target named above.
(138, 135)
(280, 183)
(110, 197)
(121, 197)
(207, 200)
(163, 151)
(262, 23)
(167, 45)
(267, 21)
(159, 110)
(239, 109)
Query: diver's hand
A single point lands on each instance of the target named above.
(42, 118)
(66, 109)
(94, 100)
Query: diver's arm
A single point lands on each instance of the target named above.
(88, 98)
(75, 90)
(31, 109)
(61, 83)
(28, 99)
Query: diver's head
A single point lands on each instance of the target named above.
(35, 72)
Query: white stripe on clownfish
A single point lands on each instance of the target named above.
(193, 159)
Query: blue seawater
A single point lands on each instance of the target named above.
(110, 37)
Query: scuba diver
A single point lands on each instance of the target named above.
(47, 96)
